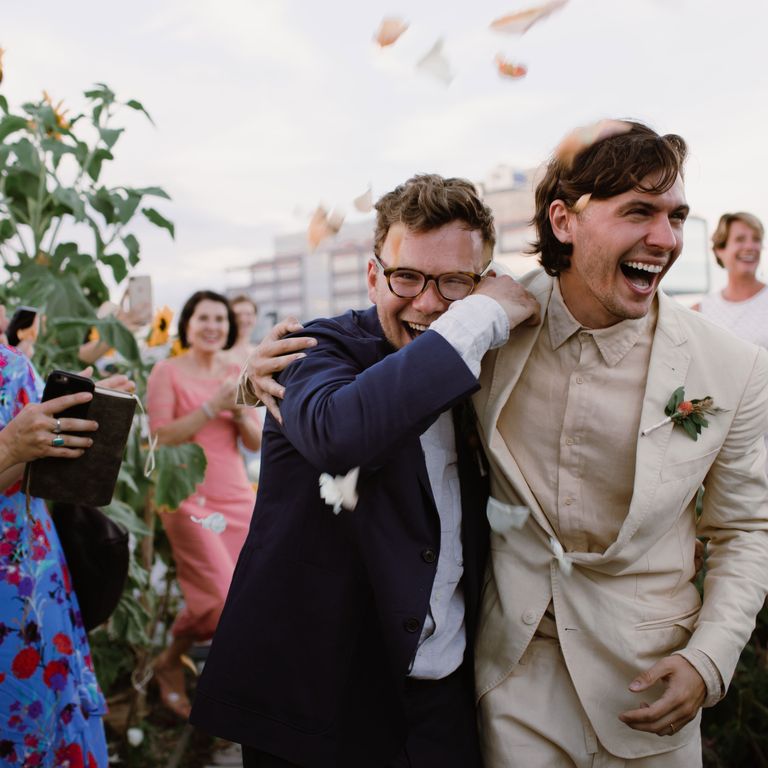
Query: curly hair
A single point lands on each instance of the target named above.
(605, 167)
(428, 201)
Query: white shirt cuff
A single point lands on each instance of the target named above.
(472, 326)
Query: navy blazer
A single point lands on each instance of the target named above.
(325, 611)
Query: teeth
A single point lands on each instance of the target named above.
(416, 326)
(653, 268)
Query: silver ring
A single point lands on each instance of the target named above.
(57, 441)
(57, 428)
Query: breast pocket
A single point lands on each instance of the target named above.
(680, 470)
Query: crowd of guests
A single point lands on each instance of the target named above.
(51, 707)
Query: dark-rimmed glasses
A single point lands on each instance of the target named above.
(408, 283)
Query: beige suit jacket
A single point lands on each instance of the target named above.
(621, 611)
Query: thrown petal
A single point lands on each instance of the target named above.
(389, 30)
(503, 517)
(364, 202)
(436, 64)
(510, 68)
(340, 491)
(520, 22)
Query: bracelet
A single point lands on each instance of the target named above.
(208, 411)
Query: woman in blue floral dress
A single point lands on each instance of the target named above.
(51, 707)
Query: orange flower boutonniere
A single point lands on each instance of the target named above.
(689, 414)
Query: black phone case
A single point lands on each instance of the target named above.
(61, 383)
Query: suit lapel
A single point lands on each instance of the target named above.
(497, 380)
(667, 371)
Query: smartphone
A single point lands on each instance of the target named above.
(140, 298)
(61, 383)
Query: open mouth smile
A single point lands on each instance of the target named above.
(414, 329)
(641, 275)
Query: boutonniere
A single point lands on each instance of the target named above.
(689, 414)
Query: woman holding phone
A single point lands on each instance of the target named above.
(51, 706)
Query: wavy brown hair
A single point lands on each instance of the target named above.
(604, 168)
(428, 201)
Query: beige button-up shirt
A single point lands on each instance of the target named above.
(571, 424)
(579, 411)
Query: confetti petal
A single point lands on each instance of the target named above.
(389, 31)
(510, 68)
(520, 22)
(585, 136)
(215, 522)
(436, 64)
(364, 202)
(504, 517)
(323, 225)
(340, 491)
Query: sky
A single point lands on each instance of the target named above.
(265, 108)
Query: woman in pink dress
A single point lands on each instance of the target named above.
(191, 398)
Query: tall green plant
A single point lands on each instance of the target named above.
(61, 231)
(61, 228)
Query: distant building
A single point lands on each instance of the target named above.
(332, 278)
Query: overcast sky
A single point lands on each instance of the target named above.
(264, 108)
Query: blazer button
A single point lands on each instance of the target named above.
(411, 625)
(428, 555)
(529, 617)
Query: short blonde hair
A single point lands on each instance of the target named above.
(720, 235)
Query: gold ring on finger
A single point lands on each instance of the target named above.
(57, 428)
(671, 729)
(57, 441)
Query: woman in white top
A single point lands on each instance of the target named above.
(742, 306)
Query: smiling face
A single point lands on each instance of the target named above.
(245, 314)
(741, 254)
(622, 248)
(208, 326)
(451, 248)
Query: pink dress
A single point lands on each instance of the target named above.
(205, 560)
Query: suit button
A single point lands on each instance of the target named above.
(428, 555)
(529, 617)
(411, 625)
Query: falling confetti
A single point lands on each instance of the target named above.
(364, 202)
(504, 517)
(340, 491)
(389, 31)
(215, 522)
(520, 22)
(436, 64)
(510, 68)
(323, 225)
(586, 135)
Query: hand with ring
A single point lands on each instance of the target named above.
(36, 432)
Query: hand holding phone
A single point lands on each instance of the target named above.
(61, 383)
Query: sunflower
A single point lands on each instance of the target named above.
(161, 325)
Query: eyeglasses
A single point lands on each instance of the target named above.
(409, 283)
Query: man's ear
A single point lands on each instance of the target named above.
(373, 272)
(561, 221)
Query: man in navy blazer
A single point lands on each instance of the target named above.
(346, 638)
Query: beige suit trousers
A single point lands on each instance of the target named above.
(534, 719)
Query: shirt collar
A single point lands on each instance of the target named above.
(613, 342)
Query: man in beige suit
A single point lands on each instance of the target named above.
(595, 648)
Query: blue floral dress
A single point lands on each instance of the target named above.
(50, 704)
